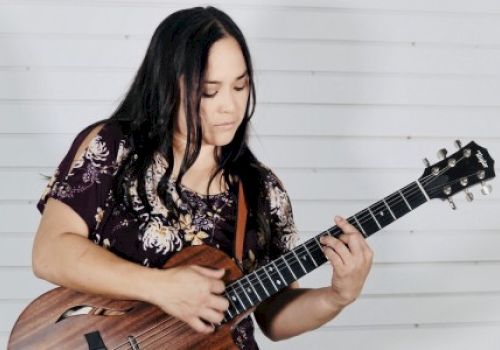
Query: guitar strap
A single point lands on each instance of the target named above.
(240, 224)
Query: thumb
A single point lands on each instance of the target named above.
(209, 272)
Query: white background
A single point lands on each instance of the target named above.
(351, 96)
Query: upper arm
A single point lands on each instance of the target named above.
(58, 217)
(58, 214)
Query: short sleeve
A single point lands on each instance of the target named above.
(86, 185)
(284, 234)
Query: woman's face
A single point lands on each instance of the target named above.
(225, 94)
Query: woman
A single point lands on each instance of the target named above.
(162, 173)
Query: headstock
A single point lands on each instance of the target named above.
(468, 166)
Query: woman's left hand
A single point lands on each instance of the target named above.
(351, 259)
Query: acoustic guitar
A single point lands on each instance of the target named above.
(66, 319)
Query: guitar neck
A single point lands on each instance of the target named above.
(269, 279)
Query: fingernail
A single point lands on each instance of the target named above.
(338, 218)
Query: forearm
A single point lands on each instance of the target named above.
(73, 261)
(296, 311)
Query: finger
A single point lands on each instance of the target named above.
(218, 303)
(338, 246)
(210, 315)
(344, 225)
(333, 257)
(354, 242)
(209, 272)
(217, 286)
(200, 326)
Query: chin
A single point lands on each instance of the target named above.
(221, 140)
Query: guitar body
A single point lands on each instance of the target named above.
(111, 322)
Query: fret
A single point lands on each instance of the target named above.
(232, 297)
(360, 227)
(316, 251)
(407, 204)
(398, 205)
(382, 214)
(228, 315)
(281, 276)
(298, 259)
(236, 297)
(270, 278)
(245, 292)
(254, 289)
(413, 195)
(369, 223)
(268, 282)
(286, 270)
(390, 210)
(260, 283)
(423, 190)
(374, 218)
(310, 255)
(306, 258)
(289, 267)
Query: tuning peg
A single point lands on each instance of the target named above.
(458, 144)
(442, 153)
(426, 162)
(486, 188)
(469, 196)
(452, 203)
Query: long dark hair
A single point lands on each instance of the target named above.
(179, 48)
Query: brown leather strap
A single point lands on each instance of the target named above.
(241, 222)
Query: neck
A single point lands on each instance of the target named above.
(196, 177)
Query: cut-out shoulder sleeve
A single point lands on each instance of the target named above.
(84, 183)
(284, 234)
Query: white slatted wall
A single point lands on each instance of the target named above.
(351, 96)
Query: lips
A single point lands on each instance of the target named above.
(229, 123)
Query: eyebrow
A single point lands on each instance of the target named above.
(219, 82)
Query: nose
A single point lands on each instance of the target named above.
(228, 101)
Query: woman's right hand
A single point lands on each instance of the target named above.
(192, 294)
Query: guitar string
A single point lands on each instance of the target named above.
(184, 325)
(409, 194)
(280, 265)
(174, 334)
(181, 323)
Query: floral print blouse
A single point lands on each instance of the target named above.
(151, 237)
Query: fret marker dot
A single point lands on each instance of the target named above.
(381, 213)
(304, 257)
(270, 269)
(278, 281)
(233, 297)
(249, 290)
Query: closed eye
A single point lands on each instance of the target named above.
(236, 88)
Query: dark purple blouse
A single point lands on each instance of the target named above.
(151, 237)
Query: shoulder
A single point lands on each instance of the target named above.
(270, 179)
(100, 142)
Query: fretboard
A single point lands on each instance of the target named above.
(269, 279)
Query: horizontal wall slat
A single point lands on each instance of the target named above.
(463, 337)
(384, 279)
(318, 216)
(427, 6)
(484, 337)
(256, 22)
(322, 184)
(42, 150)
(373, 311)
(285, 120)
(277, 87)
(388, 246)
(38, 52)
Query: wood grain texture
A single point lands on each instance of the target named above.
(38, 328)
